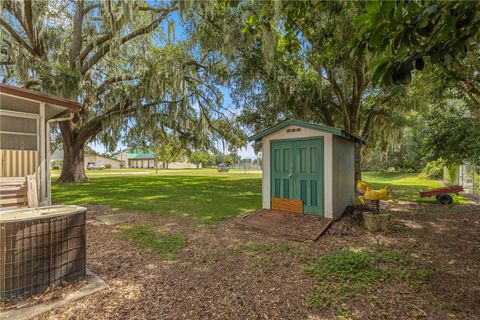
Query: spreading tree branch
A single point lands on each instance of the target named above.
(77, 33)
(7, 62)
(107, 47)
(91, 7)
(14, 9)
(103, 87)
(209, 121)
(96, 42)
(372, 116)
(17, 37)
(470, 93)
(32, 83)
(158, 10)
(336, 88)
(32, 31)
(95, 125)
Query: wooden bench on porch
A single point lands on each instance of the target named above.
(17, 192)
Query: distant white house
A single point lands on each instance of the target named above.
(102, 161)
(146, 159)
(57, 158)
(124, 159)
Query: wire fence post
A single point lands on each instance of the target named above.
(474, 187)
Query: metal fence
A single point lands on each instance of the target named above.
(247, 165)
(469, 177)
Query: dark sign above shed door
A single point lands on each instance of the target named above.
(297, 172)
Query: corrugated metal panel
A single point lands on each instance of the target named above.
(18, 163)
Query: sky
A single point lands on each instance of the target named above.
(180, 34)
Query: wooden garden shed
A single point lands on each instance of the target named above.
(25, 118)
(309, 162)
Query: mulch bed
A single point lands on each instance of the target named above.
(288, 225)
(231, 273)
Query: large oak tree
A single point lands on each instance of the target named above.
(117, 58)
(294, 59)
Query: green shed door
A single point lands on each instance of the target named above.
(297, 172)
(308, 175)
(282, 169)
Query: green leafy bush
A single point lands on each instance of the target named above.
(433, 170)
(450, 174)
(108, 166)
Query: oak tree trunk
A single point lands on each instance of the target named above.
(358, 162)
(73, 168)
(73, 163)
(352, 127)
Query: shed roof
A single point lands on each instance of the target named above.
(287, 122)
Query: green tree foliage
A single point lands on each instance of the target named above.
(395, 144)
(293, 59)
(452, 135)
(118, 59)
(406, 35)
(90, 150)
(463, 78)
(400, 153)
(169, 150)
(229, 159)
(201, 158)
(235, 158)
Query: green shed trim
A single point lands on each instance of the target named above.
(287, 122)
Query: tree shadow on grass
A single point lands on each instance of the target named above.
(208, 198)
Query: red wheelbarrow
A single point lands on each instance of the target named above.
(442, 194)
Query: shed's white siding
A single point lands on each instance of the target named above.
(303, 133)
(344, 175)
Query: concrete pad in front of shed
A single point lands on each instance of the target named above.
(116, 218)
(93, 285)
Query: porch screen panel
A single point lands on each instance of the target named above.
(18, 125)
(17, 142)
(18, 133)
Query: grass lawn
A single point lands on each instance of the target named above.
(405, 186)
(56, 173)
(203, 193)
(228, 272)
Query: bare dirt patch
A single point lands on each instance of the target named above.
(228, 273)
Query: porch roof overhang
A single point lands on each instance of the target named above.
(56, 106)
(287, 122)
